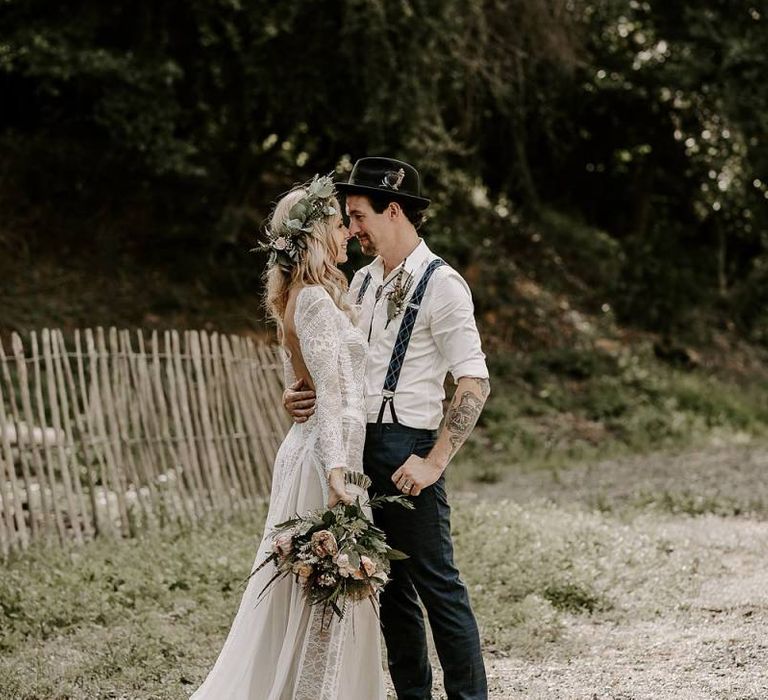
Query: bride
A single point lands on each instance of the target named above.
(279, 649)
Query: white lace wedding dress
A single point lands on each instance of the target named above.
(278, 650)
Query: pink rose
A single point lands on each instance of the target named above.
(280, 243)
(324, 544)
(283, 545)
(345, 567)
(366, 569)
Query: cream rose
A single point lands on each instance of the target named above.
(302, 569)
(368, 565)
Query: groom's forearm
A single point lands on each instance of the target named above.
(460, 419)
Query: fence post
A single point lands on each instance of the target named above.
(186, 427)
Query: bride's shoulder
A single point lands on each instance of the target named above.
(309, 297)
(309, 293)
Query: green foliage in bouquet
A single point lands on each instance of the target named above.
(336, 554)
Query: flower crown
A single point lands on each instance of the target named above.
(286, 242)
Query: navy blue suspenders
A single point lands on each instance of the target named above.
(404, 339)
(363, 287)
(403, 335)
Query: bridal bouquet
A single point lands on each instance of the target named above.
(337, 554)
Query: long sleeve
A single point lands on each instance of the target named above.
(319, 339)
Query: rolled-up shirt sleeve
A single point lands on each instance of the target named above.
(453, 326)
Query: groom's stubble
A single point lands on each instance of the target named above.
(367, 247)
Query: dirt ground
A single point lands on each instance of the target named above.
(711, 642)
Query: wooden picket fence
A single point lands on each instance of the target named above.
(122, 431)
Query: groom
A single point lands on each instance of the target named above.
(418, 315)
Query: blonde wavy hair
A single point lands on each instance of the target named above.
(316, 264)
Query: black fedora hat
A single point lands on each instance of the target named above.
(387, 176)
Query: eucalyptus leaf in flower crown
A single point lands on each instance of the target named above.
(286, 242)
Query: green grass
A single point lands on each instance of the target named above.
(146, 618)
(694, 503)
(553, 407)
(121, 617)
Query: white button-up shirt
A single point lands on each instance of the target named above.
(444, 339)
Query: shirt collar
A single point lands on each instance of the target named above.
(412, 263)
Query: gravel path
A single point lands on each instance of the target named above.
(711, 642)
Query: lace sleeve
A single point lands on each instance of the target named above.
(319, 339)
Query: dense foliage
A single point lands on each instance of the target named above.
(172, 125)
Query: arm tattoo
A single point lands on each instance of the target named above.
(483, 387)
(461, 419)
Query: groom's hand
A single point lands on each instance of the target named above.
(416, 474)
(299, 401)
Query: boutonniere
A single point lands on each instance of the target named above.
(398, 294)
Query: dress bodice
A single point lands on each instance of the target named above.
(334, 351)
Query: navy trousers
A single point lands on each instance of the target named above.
(429, 574)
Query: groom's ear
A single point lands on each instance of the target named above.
(394, 210)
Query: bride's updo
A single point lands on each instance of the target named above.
(307, 255)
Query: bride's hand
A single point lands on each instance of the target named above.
(337, 488)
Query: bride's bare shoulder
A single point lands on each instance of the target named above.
(290, 338)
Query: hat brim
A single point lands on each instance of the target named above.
(347, 188)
